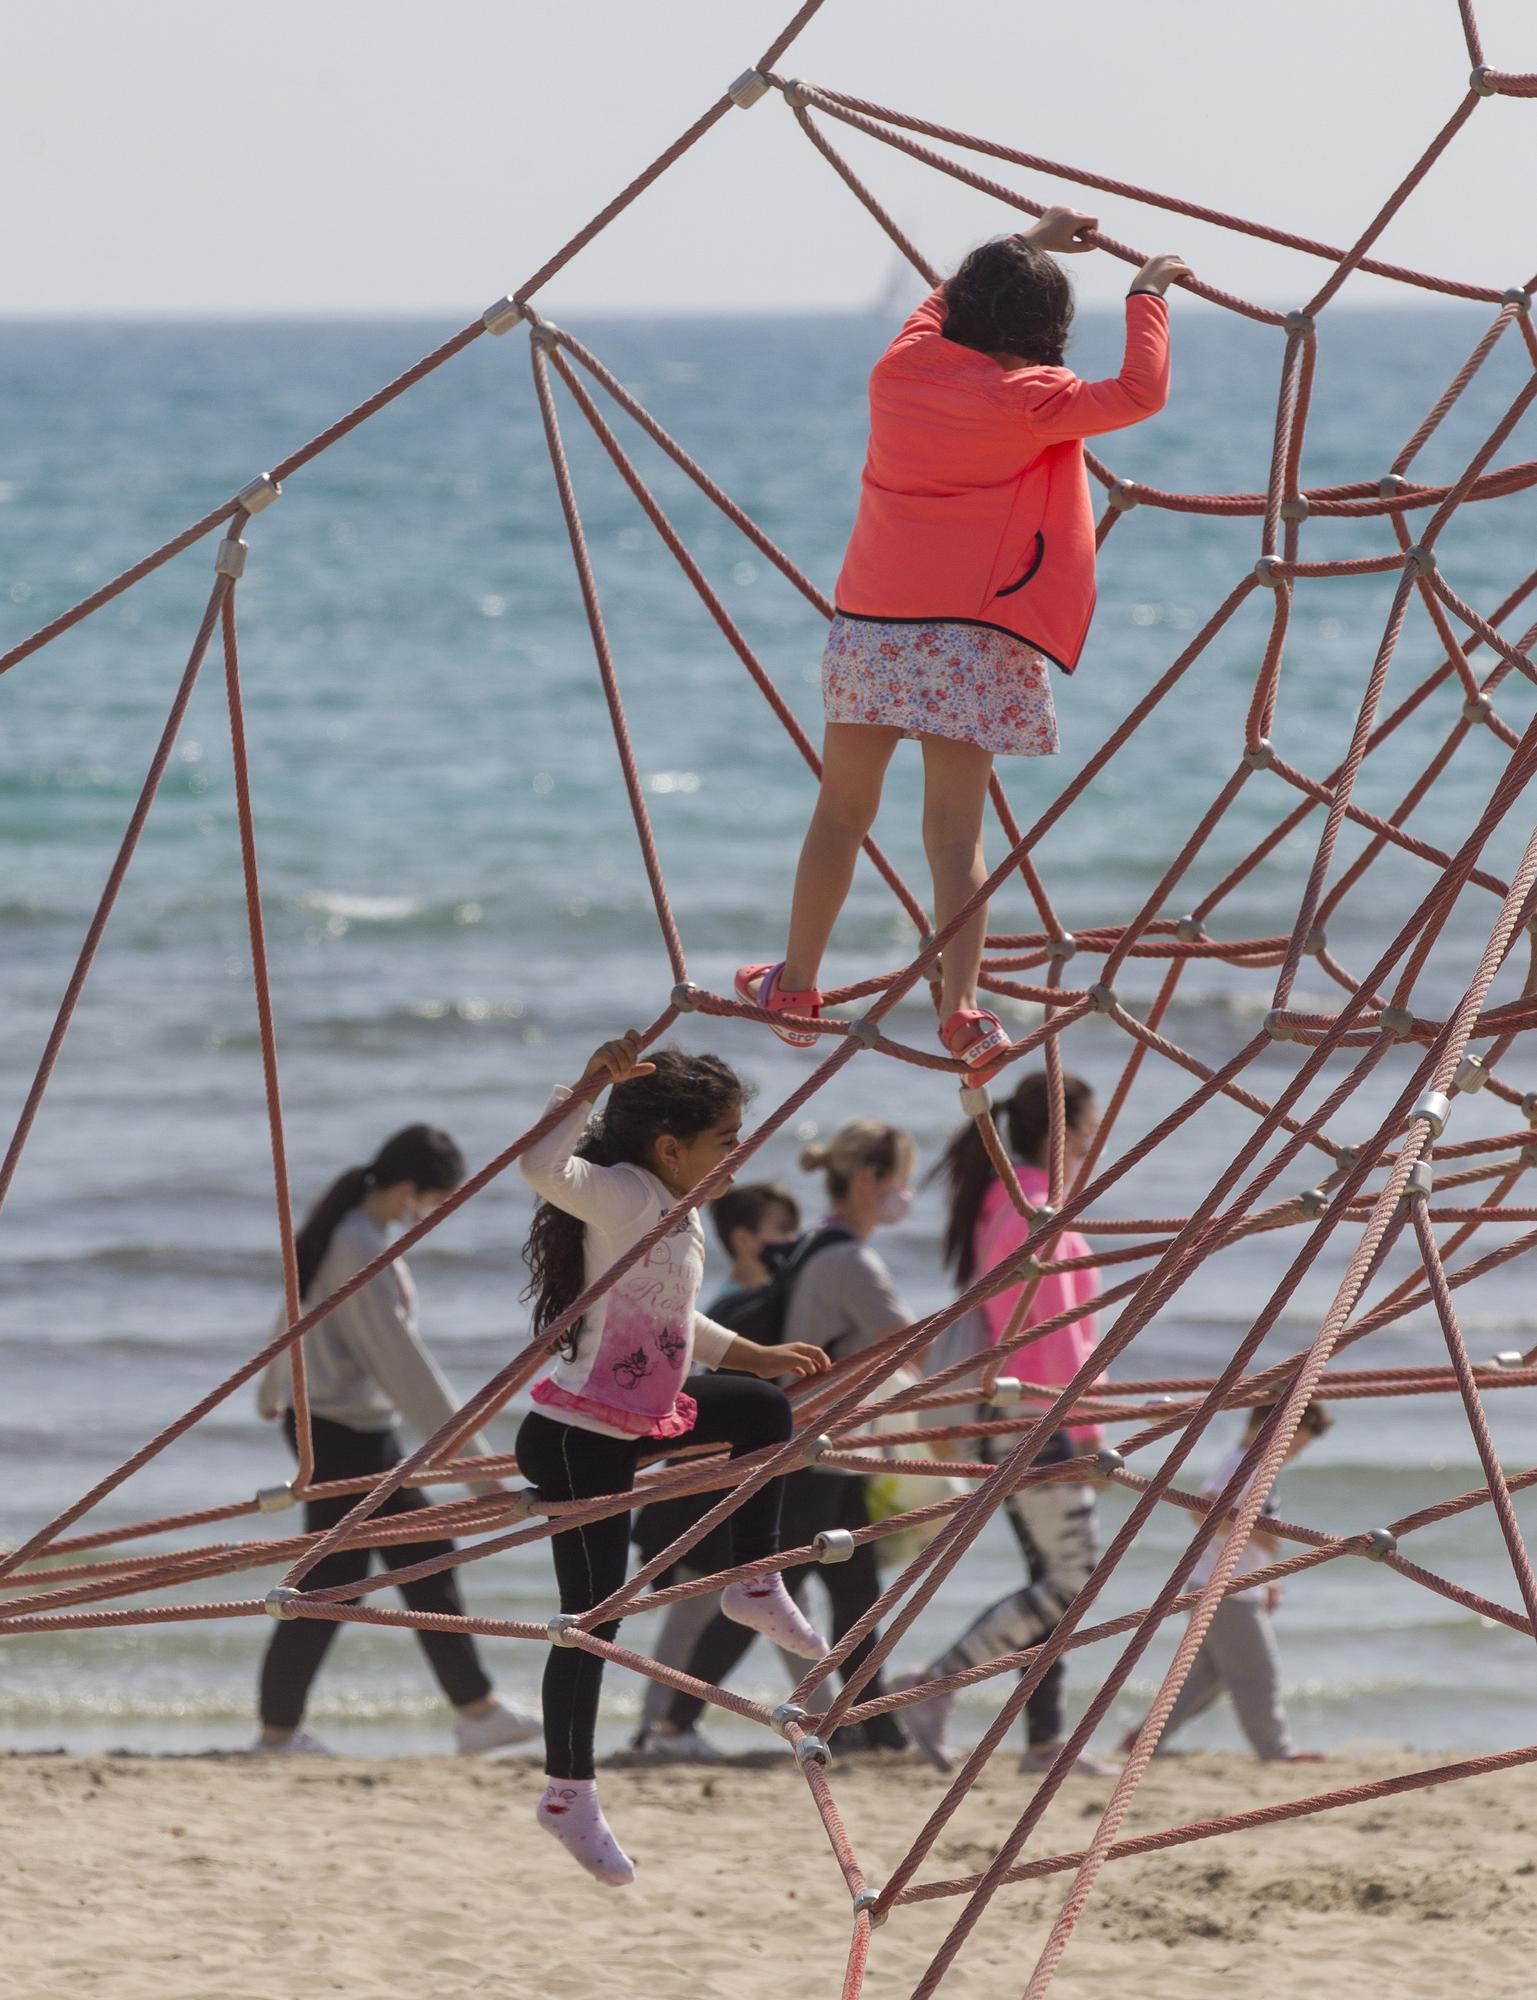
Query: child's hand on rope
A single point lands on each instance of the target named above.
(799, 1358)
(1060, 228)
(1159, 272)
(618, 1060)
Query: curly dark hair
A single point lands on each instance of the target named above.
(1009, 297)
(686, 1096)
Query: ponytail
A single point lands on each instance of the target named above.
(420, 1154)
(968, 1172)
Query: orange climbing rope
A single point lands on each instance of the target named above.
(1390, 1187)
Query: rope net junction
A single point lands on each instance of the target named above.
(1404, 1184)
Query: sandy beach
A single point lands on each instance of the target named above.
(239, 1879)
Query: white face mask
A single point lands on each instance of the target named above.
(895, 1204)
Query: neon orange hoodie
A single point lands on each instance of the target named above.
(974, 503)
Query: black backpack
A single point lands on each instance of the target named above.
(759, 1312)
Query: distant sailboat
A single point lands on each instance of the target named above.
(900, 290)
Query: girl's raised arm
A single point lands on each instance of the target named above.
(1058, 406)
(607, 1198)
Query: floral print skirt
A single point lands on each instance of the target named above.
(971, 683)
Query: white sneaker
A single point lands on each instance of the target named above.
(679, 1746)
(502, 1725)
(300, 1744)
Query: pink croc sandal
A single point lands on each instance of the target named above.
(986, 1039)
(758, 985)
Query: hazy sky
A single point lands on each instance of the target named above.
(395, 156)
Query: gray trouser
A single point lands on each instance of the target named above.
(1239, 1658)
(1058, 1532)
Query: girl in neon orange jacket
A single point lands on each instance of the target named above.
(971, 566)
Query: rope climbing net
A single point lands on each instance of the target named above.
(1404, 1184)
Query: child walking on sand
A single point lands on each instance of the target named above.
(971, 566)
(1238, 1656)
(617, 1384)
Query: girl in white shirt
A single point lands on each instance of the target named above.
(616, 1388)
(366, 1368)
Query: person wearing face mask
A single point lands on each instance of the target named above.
(366, 1369)
(842, 1299)
(1053, 1522)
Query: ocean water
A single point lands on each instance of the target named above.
(457, 912)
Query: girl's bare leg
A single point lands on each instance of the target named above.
(955, 778)
(854, 760)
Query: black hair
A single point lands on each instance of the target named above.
(1010, 297)
(968, 1172)
(685, 1095)
(745, 1207)
(420, 1154)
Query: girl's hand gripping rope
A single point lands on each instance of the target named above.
(618, 1060)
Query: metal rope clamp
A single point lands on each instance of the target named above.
(819, 1447)
(282, 1601)
(1109, 1462)
(1312, 1201)
(559, 1627)
(274, 1499)
(833, 1545)
(787, 1712)
(867, 1900)
(1380, 1543)
(1472, 1074)
(1121, 499)
(1007, 1389)
(1507, 1358)
(261, 492)
(795, 94)
(229, 557)
(1190, 930)
(1477, 708)
(502, 315)
(1435, 1107)
(975, 1100)
(685, 996)
(1421, 1184)
(812, 1750)
(748, 88)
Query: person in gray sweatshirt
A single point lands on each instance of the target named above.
(366, 1369)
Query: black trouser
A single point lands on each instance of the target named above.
(565, 1463)
(814, 1500)
(297, 1646)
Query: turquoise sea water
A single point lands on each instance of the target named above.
(456, 909)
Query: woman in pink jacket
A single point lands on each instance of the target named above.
(971, 566)
(1053, 1523)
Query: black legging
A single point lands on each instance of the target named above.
(814, 1500)
(297, 1646)
(565, 1463)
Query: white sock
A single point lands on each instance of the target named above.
(766, 1606)
(570, 1811)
